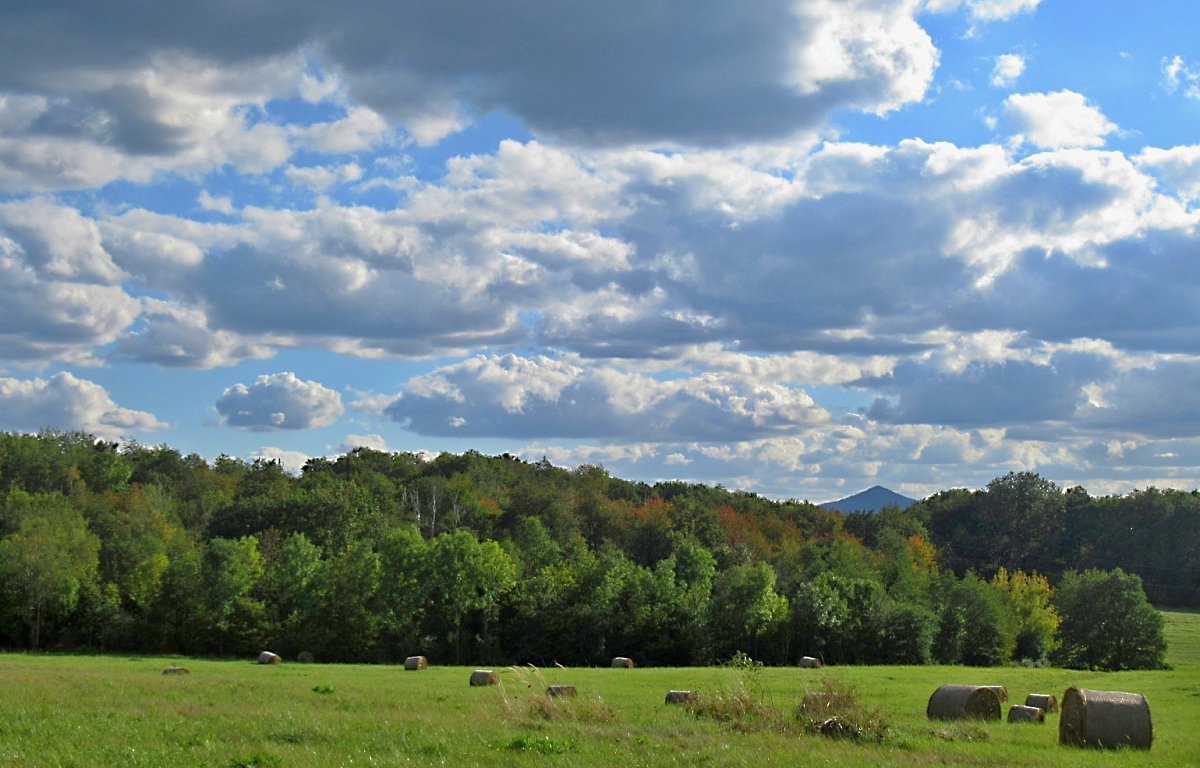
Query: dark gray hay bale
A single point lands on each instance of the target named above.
(413, 663)
(560, 690)
(1043, 701)
(622, 662)
(176, 671)
(305, 657)
(964, 702)
(809, 662)
(1019, 713)
(679, 697)
(1001, 692)
(266, 657)
(1104, 719)
(484, 677)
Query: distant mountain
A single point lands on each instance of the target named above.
(871, 500)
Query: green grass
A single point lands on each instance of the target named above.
(113, 711)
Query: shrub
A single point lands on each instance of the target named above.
(1107, 623)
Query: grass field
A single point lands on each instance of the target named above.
(114, 711)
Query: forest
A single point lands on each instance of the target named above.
(375, 556)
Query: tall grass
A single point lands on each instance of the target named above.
(106, 711)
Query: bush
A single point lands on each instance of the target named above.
(1107, 623)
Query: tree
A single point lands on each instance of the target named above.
(467, 578)
(47, 560)
(745, 607)
(1107, 622)
(1033, 619)
(231, 569)
(974, 626)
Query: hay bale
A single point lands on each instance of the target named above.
(1043, 701)
(679, 697)
(561, 690)
(1019, 713)
(176, 671)
(962, 702)
(1001, 692)
(622, 662)
(1104, 719)
(266, 657)
(484, 677)
(306, 657)
(810, 662)
(414, 663)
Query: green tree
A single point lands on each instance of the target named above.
(47, 560)
(1033, 618)
(1107, 622)
(974, 625)
(745, 607)
(230, 571)
(467, 579)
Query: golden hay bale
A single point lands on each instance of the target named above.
(1019, 713)
(176, 671)
(1043, 701)
(679, 697)
(622, 662)
(561, 690)
(306, 657)
(810, 662)
(1001, 692)
(1104, 719)
(484, 677)
(266, 657)
(413, 663)
(961, 702)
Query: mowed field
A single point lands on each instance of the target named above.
(117, 711)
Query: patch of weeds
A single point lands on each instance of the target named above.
(538, 705)
(961, 732)
(257, 760)
(324, 689)
(834, 711)
(541, 744)
(743, 707)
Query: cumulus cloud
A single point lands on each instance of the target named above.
(66, 402)
(291, 461)
(1056, 120)
(1006, 70)
(280, 401)
(1178, 75)
(542, 397)
(984, 10)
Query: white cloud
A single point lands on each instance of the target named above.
(1178, 74)
(291, 461)
(1006, 70)
(372, 441)
(984, 10)
(66, 402)
(1177, 168)
(1056, 120)
(280, 401)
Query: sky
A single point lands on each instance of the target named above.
(797, 247)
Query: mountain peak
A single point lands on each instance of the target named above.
(873, 499)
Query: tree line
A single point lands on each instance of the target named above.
(374, 556)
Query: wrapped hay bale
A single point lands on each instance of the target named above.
(306, 657)
(622, 662)
(560, 690)
(414, 663)
(1104, 719)
(679, 697)
(176, 671)
(1019, 713)
(961, 702)
(266, 657)
(1043, 701)
(810, 662)
(484, 677)
(1001, 692)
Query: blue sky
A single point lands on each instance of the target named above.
(797, 247)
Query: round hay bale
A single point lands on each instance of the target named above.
(484, 677)
(962, 702)
(414, 663)
(1019, 713)
(1104, 719)
(1043, 701)
(622, 662)
(679, 697)
(1001, 692)
(305, 657)
(176, 671)
(810, 662)
(266, 657)
(561, 690)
